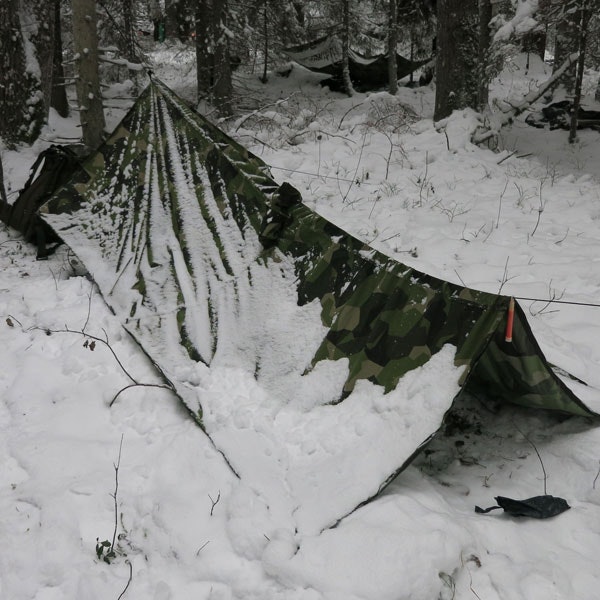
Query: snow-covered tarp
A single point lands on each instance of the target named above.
(172, 219)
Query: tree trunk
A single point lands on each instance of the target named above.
(89, 98)
(411, 76)
(347, 82)
(265, 77)
(58, 101)
(13, 94)
(583, 19)
(567, 36)
(3, 197)
(5, 207)
(25, 78)
(130, 50)
(176, 19)
(392, 45)
(204, 49)
(223, 86)
(456, 61)
(43, 15)
(485, 16)
(171, 18)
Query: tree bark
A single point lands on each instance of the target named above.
(204, 49)
(347, 82)
(456, 61)
(85, 41)
(58, 101)
(3, 196)
(392, 45)
(223, 85)
(25, 77)
(485, 16)
(13, 94)
(582, 19)
(130, 50)
(265, 77)
(43, 15)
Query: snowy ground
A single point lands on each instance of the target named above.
(186, 527)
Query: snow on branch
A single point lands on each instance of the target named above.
(530, 98)
(503, 117)
(121, 62)
(523, 21)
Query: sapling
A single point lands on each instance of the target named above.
(500, 203)
(540, 210)
(538, 455)
(106, 550)
(214, 502)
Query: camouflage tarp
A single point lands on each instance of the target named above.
(208, 263)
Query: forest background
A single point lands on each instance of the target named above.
(47, 47)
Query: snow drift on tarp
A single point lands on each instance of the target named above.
(317, 365)
(324, 55)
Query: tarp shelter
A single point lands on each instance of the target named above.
(351, 359)
(324, 55)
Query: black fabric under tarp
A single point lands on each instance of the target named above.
(53, 167)
(558, 116)
(366, 72)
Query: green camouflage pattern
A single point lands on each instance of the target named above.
(387, 319)
(383, 316)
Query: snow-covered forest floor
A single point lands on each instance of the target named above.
(522, 219)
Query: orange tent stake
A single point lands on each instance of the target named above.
(510, 320)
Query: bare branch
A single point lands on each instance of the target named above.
(214, 502)
(132, 385)
(92, 337)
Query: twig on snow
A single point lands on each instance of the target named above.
(132, 385)
(214, 502)
(597, 475)
(128, 581)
